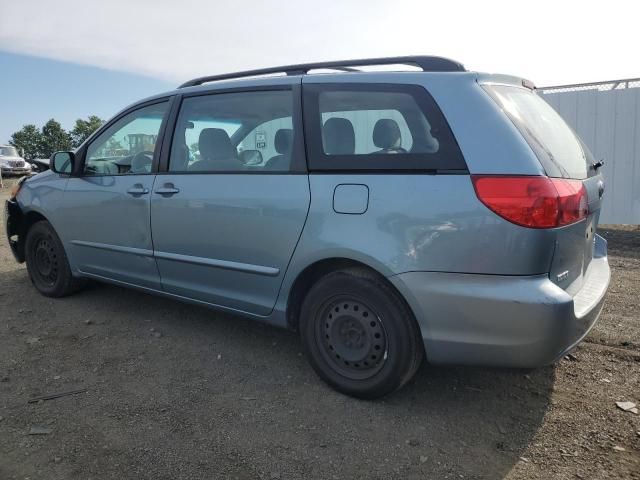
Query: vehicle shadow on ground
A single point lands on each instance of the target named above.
(219, 394)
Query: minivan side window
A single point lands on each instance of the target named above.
(128, 146)
(250, 131)
(377, 127)
(266, 139)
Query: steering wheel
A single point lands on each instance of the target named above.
(141, 162)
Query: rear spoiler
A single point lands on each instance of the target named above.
(498, 79)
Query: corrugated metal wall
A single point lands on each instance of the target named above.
(607, 118)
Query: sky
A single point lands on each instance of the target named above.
(72, 58)
(33, 90)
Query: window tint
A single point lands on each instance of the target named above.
(128, 146)
(227, 132)
(555, 144)
(373, 126)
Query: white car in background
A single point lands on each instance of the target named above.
(11, 163)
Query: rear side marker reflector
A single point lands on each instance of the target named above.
(534, 202)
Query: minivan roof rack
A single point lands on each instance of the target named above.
(427, 63)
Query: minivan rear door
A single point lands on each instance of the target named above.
(231, 203)
(562, 155)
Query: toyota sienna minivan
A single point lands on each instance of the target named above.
(387, 216)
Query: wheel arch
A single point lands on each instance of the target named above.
(27, 220)
(309, 275)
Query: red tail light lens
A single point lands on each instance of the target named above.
(534, 202)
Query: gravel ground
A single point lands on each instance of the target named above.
(179, 392)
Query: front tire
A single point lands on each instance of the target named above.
(359, 335)
(47, 262)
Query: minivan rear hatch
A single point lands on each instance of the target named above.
(562, 155)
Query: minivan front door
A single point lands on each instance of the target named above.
(107, 207)
(228, 213)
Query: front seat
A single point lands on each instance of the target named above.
(338, 137)
(387, 136)
(217, 153)
(282, 142)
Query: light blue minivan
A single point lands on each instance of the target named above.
(388, 216)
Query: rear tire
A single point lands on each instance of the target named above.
(359, 335)
(47, 262)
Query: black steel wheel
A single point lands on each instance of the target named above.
(359, 335)
(351, 337)
(47, 262)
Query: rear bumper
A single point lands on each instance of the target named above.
(506, 321)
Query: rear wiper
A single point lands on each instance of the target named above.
(597, 165)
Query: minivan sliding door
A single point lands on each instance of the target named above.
(227, 213)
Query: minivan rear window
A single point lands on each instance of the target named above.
(556, 145)
(352, 126)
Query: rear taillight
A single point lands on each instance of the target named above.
(534, 202)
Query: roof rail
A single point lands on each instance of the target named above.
(427, 63)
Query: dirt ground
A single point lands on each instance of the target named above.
(179, 392)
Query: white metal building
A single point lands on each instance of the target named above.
(606, 115)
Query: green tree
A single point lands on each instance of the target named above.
(54, 138)
(29, 140)
(41, 143)
(84, 128)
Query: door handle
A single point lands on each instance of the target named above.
(167, 189)
(138, 189)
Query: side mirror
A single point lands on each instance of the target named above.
(62, 162)
(251, 157)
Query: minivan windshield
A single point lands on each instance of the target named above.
(8, 152)
(554, 142)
